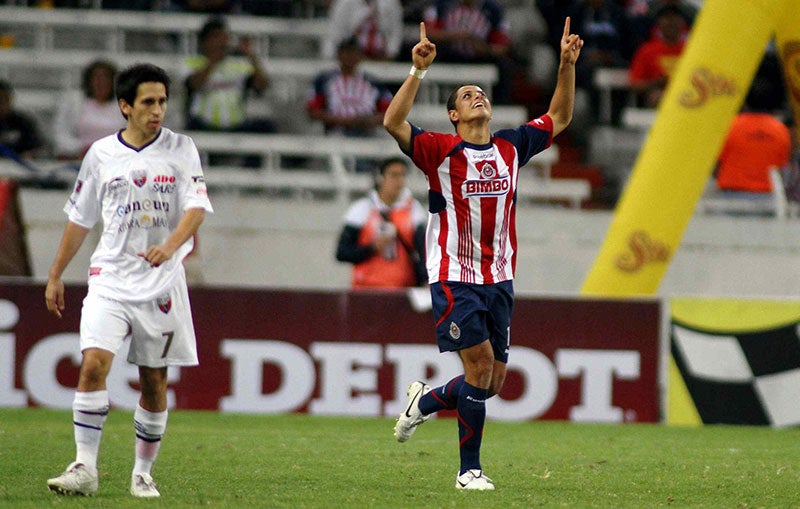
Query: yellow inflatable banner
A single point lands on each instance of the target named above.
(788, 43)
(705, 91)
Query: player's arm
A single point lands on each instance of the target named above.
(394, 121)
(71, 241)
(563, 101)
(187, 227)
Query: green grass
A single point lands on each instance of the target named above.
(297, 461)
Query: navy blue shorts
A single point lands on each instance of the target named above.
(467, 314)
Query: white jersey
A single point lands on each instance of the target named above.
(140, 195)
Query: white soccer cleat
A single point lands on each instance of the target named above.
(76, 480)
(143, 486)
(411, 417)
(474, 479)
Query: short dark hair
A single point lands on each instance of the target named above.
(390, 161)
(127, 83)
(213, 23)
(669, 10)
(380, 171)
(451, 101)
(351, 43)
(86, 76)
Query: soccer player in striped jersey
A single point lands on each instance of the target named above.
(471, 240)
(145, 184)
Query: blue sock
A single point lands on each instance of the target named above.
(442, 398)
(471, 417)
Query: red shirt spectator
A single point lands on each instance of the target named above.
(654, 60)
(755, 142)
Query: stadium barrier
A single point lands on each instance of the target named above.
(330, 168)
(339, 174)
(342, 353)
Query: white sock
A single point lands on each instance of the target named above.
(150, 429)
(89, 412)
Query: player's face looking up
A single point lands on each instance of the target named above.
(147, 112)
(470, 102)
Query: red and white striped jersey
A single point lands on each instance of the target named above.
(471, 234)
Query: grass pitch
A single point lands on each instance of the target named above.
(297, 461)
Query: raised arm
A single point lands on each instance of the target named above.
(563, 101)
(394, 120)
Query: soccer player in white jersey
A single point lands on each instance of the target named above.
(471, 239)
(146, 185)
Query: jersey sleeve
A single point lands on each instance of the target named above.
(429, 149)
(83, 206)
(530, 138)
(193, 192)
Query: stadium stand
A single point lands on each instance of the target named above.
(52, 46)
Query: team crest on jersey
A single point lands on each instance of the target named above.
(488, 171)
(164, 303)
(139, 177)
(455, 331)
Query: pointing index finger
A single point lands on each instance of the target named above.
(566, 27)
(422, 35)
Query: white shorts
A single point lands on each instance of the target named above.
(161, 331)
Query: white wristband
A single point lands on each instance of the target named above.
(417, 73)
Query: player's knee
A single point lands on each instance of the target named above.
(94, 369)
(479, 371)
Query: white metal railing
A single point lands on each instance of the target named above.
(113, 26)
(335, 174)
(63, 69)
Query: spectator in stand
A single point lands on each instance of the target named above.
(643, 14)
(86, 116)
(756, 141)
(19, 135)
(604, 28)
(655, 60)
(219, 79)
(384, 233)
(473, 31)
(347, 101)
(377, 25)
